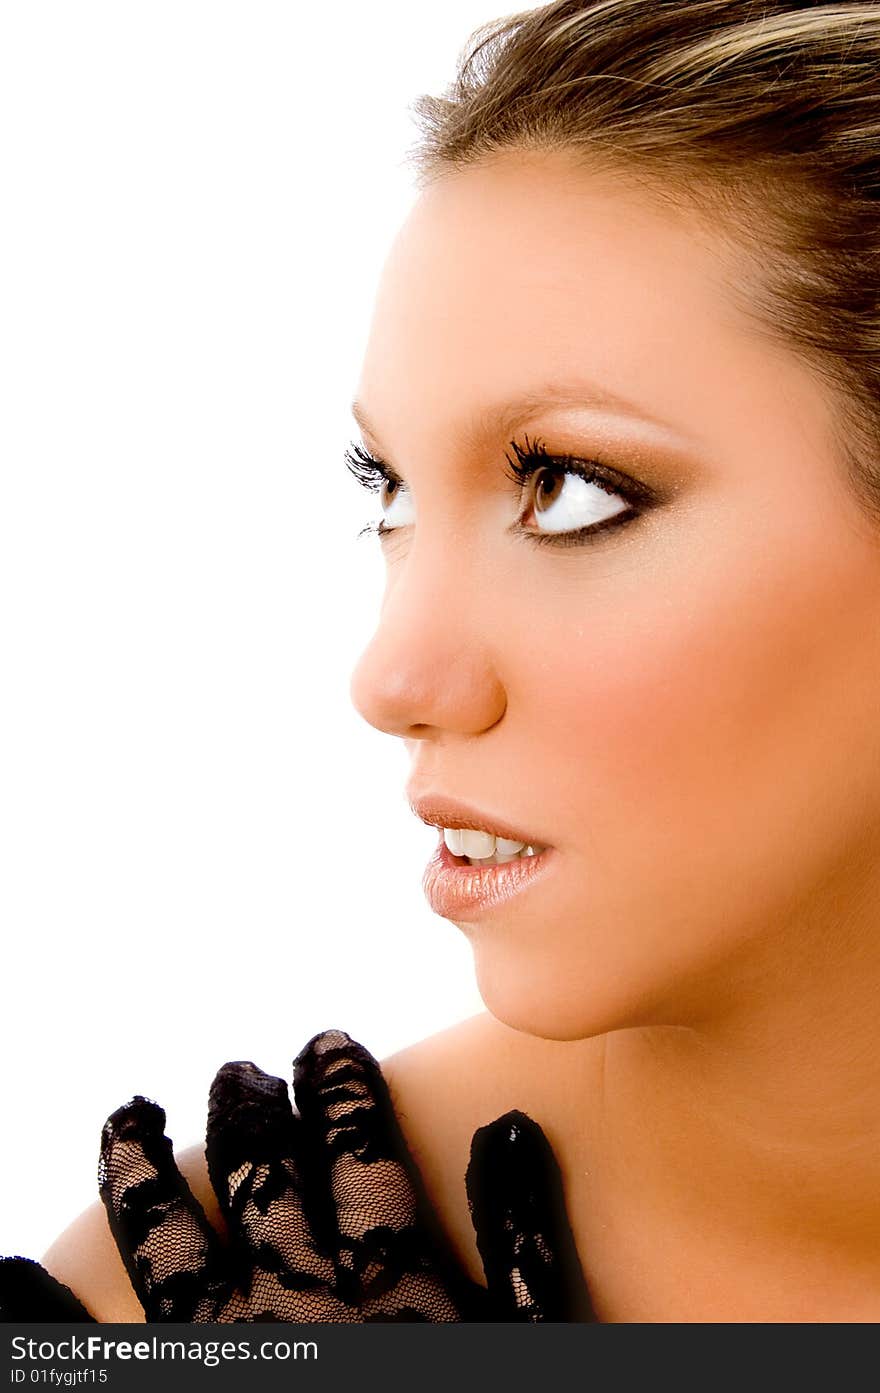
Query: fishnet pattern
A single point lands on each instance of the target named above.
(325, 1211)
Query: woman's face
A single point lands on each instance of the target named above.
(684, 706)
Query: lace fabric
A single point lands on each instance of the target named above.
(326, 1214)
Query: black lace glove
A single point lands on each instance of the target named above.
(29, 1292)
(327, 1216)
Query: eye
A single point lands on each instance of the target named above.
(379, 477)
(573, 498)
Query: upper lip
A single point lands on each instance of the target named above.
(439, 811)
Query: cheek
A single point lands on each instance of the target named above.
(683, 749)
(703, 737)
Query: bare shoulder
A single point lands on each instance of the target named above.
(446, 1086)
(467, 1075)
(443, 1088)
(85, 1257)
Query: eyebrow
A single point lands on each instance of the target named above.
(504, 416)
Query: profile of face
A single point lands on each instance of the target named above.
(682, 704)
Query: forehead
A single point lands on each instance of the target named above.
(528, 270)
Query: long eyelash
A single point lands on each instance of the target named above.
(371, 473)
(532, 457)
(529, 459)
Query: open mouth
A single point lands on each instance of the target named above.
(453, 860)
(464, 888)
(476, 850)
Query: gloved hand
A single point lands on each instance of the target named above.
(327, 1216)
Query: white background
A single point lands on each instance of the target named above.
(205, 851)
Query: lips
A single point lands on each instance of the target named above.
(440, 811)
(466, 894)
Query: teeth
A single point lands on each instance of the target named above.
(507, 847)
(452, 838)
(484, 847)
(476, 844)
(464, 842)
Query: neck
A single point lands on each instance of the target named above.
(763, 1118)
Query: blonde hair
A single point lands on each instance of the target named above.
(763, 116)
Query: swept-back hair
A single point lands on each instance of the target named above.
(763, 117)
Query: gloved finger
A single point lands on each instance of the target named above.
(517, 1205)
(368, 1198)
(343, 1100)
(251, 1134)
(253, 1147)
(175, 1260)
(28, 1292)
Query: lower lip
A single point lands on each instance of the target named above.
(456, 890)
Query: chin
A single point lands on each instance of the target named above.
(549, 1009)
(555, 998)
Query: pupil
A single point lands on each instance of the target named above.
(547, 474)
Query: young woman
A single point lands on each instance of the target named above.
(621, 406)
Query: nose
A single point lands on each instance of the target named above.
(428, 667)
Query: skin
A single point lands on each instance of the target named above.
(685, 709)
